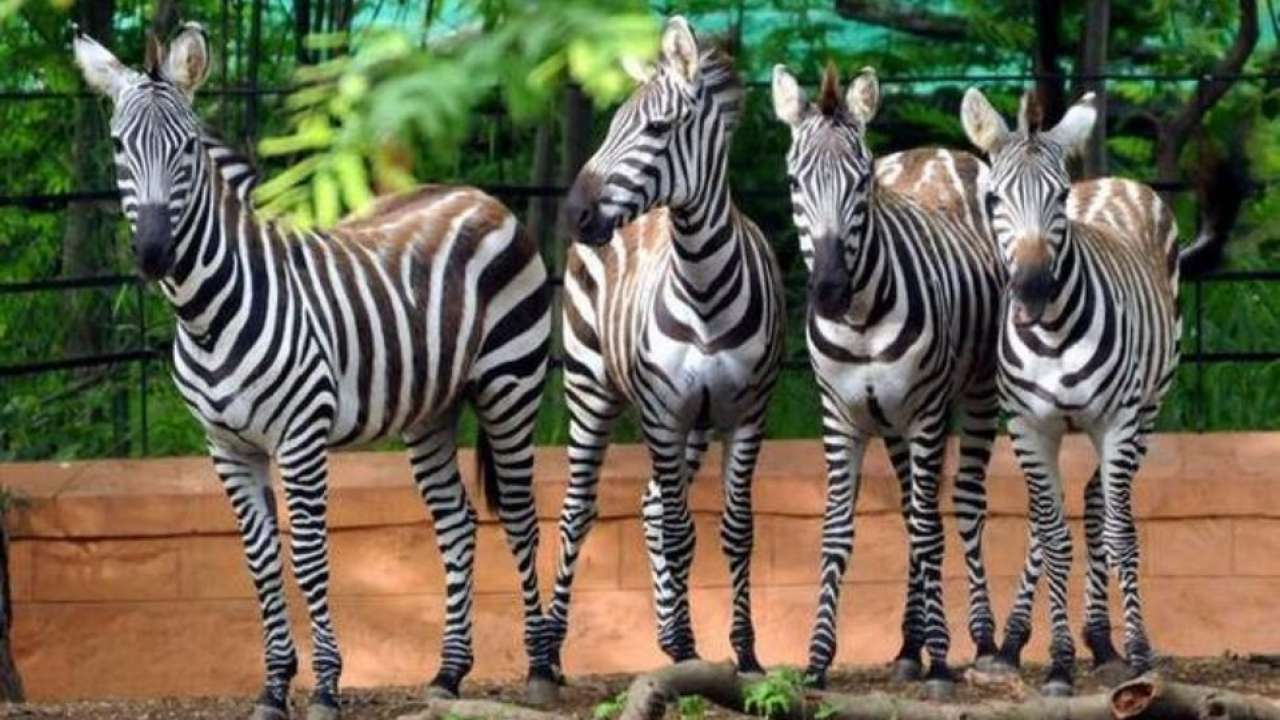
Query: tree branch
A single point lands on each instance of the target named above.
(913, 20)
(1209, 90)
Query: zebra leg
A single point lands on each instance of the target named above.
(1121, 450)
(680, 564)
(928, 444)
(1097, 619)
(247, 483)
(670, 538)
(906, 665)
(844, 449)
(737, 537)
(1037, 451)
(305, 470)
(433, 453)
(978, 420)
(592, 414)
(507, 409)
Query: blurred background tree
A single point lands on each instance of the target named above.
(337, 99)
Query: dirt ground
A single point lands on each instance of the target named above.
(582, 694)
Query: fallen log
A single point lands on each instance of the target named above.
(440, 708)
(1139, 699)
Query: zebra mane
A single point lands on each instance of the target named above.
(235, 168)
(721, 79)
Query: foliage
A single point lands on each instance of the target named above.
(771, 697)
(692, 707)
(388, 92)
(470, 123)
(611, 708)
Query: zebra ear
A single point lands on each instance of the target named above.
(863, 97)
(984, 126)
(789, 101)
(101, 70)
(1073, 131)
(680, 49)
(187, 63)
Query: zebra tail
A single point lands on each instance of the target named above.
(487, 471)
(1224, 185)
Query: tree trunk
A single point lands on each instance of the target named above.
(575, 137)
(1048, 47)
(87, 233)
(301, 29)
(10, 681)
(538, 213)
(1093, 62)
(255, 57)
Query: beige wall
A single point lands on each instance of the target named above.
(129, 579)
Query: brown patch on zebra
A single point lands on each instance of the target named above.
(1128, 213)
(829, 100)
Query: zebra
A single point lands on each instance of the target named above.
(290, 342)
(674, 305)
(904, 296)
(1089, 341)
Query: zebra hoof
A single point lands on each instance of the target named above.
(906, 670)
(939, 689)
(439, 692)
(1112, 672)
(267, 712)
(1057, 688)
(542, 692)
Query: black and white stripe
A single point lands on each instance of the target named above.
(674, 306)
(290, 343)
(904, 300)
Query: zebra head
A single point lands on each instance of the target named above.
(1027, 199)
(155, 134)
(667, 143)
(831, 174)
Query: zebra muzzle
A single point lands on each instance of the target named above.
(153, 241)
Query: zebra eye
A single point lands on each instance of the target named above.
(1062, 195)
(117, 145)
(657, 127)
(990, 202)
(190, 145)
(793, 183)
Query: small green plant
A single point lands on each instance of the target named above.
(611, 708)
(772, 696)
(692, 707)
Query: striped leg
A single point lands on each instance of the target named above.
(305, 470)
(1121, 451)
(1097, 618)
(737, 537)
(681, 565)
(906, 664)
(1017, 629)
(507, 409)
(670, 538)
(978, 418)
(844, 449)
(433, 454)
(592, 414)
(247, 484)
(1037, 451)
(928, 445)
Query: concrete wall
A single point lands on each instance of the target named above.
(129, 580)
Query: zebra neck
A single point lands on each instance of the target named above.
(1070, 283)
(705, 237)
(218, 244)
(876, 290)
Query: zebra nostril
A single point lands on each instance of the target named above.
(584, 218)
